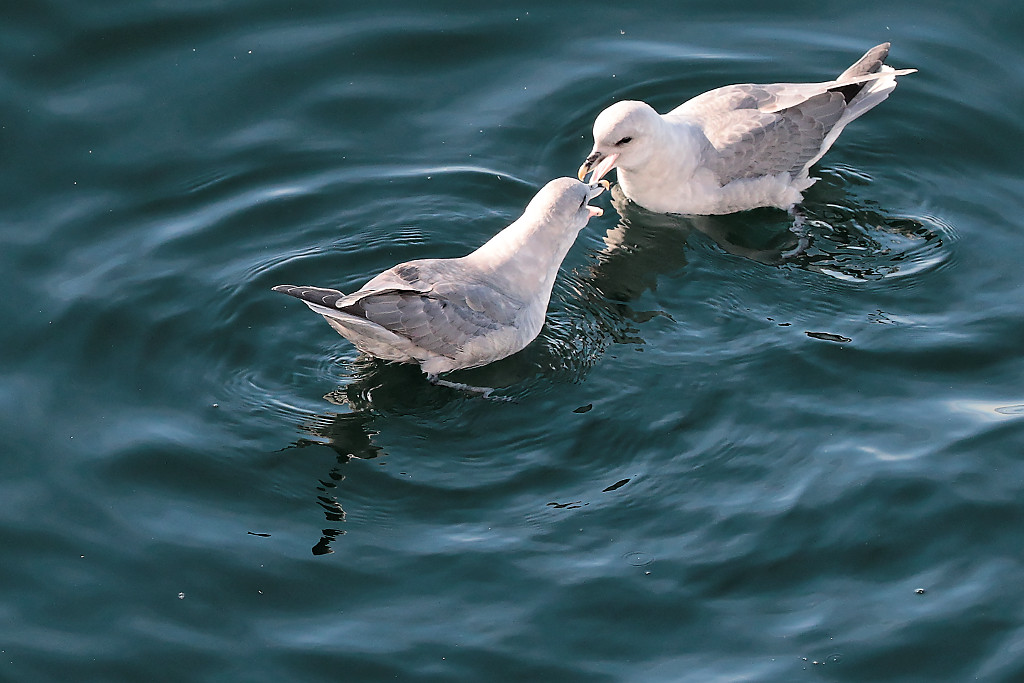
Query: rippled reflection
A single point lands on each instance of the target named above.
(848, 240)
(350, 435)
(660, 241)
(375, 392)
(641, 249)
(859, 241)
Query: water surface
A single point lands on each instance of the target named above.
(718, 464)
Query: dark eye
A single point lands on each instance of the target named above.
(624, 141)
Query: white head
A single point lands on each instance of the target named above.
(622, 138)
(541, 237)
(564, 204)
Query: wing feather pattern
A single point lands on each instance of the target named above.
(750, 138)
(435, 304)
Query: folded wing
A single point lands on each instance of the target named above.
(755, 130)
(748, 137)
(420, 305)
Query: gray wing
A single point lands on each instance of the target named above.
(757, 130)
(443, 317)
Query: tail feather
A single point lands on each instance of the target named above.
(873, 81)
(366, 335)
(314, 295)
(872, 62)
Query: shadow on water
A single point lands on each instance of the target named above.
(849, 240)
(350, 435)
(376, 390)
(859, 241)
(379, 391)
(375, 393)
(644, 246)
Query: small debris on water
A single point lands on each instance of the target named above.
(618, 484)
(828, 336)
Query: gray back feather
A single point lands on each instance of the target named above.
(441, 308)
(749, 135)
(748, 139)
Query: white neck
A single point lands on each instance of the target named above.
(675, 145)
(663, 179)
(524, 256)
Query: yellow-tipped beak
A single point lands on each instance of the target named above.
(599, 164)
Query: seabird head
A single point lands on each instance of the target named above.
(621, 133)
(565, 201)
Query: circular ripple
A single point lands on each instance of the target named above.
(638, 559)
(863, 244)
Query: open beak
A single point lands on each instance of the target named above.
(598, 164)
(595, 189)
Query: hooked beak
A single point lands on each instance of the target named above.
(593, 190)
(599, 164)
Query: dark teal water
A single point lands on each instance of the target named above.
(718, 466)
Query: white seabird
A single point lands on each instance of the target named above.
(737, 147)
(451, 314)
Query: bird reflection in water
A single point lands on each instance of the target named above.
(847, 240)
(377, 390)
(350, 435)
(644, 247)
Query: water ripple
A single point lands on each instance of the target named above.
(719, 463)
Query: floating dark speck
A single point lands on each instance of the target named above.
(828, 336)
(618, 484)
(568, 506)
(584, 409)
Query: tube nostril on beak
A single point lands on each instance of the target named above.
(588, 165)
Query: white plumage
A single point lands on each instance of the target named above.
(449, 314)
(737, 147)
